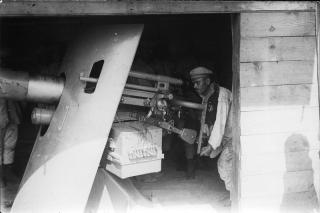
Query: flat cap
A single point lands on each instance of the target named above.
(200, 72)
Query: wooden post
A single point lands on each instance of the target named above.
(318, 68)
(235, 193)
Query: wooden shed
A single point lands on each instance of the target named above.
(275, 75)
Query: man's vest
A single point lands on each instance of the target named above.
(212, 107)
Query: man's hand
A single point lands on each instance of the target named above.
(205, 151)
(209, 151)
(215, 152)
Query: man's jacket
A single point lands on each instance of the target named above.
(217, 117)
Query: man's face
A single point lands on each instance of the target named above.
(201, 85)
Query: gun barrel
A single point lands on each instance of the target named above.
(146, 88)
(13, 85)
(20, 86)
(152, 77)
(188, 104)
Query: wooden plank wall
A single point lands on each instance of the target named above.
(279, 111)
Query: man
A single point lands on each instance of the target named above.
(4, 120)
(215, 121)
(9, 121)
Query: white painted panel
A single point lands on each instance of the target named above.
(64, 161)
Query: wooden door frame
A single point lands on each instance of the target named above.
(143, 7)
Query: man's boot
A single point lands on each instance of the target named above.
(181, 163)
(191, 169)
(9, 175)
(3, 181)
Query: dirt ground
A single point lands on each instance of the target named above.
(170, 189)
(8, 193)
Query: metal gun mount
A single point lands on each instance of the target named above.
(48, 89)
(156, 98)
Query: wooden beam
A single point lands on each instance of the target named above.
(278, 24)
(254, 98)
(277, 184)
(279, 162)
(277, 49)
(254, 74)
(298, 201)
(251, 144)
(79, 8)
(287, 119)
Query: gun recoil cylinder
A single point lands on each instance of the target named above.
(41, 115)
(21, 86)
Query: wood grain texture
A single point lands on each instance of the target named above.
(277, 184)
(289, 202)
(71, 8)
(285, 162)
(288, 119)
(284, 95)
(277, 49)
(278, 24)
(236, 192)
(277, 73)
(317, 184)
(273, 144)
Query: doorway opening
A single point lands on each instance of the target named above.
(171, 45)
